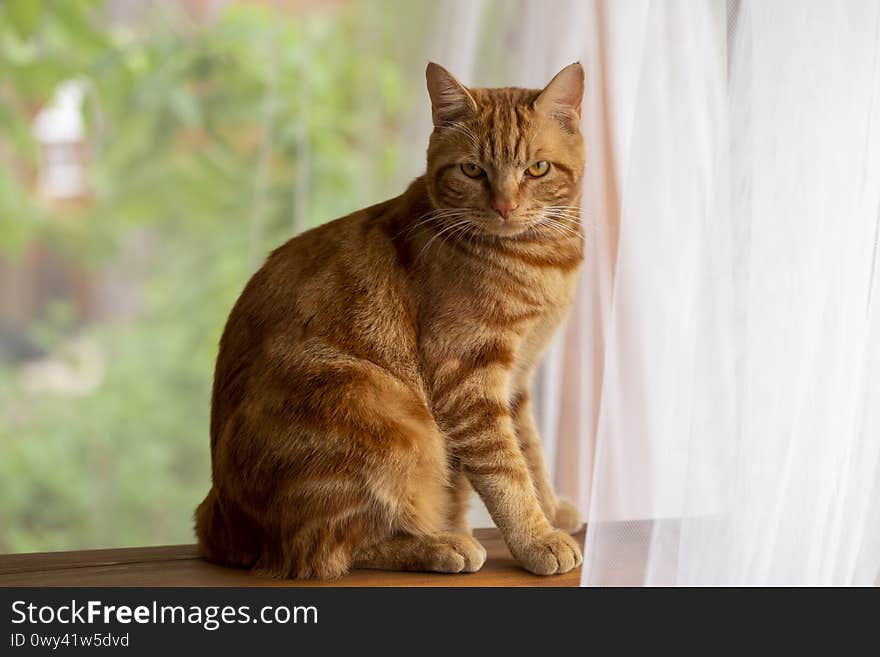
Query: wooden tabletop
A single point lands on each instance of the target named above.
(180, 565)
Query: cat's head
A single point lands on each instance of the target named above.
(505, 159)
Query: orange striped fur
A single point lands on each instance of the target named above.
(378, 367)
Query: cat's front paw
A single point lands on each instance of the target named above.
(567, 518)
(553, 554)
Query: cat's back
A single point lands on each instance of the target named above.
(339, 284)
(308, 272)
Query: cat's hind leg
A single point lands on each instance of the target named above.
(451, 551)
(441, 553)
(329, 456)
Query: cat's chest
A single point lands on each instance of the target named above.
(490, 307)
(491, 333)
(541, 281)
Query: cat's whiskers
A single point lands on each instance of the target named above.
(428, 217)
(450, 231)
(552, 223)
(471, 239)
(570, 214)
(573, 208)
(571, 225)
(441, 232)
(567, 221)
(575, 217)
(455, 234)
(567, 216)
(560, 216)
(564, 233)
(553, 232)
(562, 212)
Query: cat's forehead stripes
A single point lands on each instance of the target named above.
(504, 124)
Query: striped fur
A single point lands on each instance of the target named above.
(378, 367)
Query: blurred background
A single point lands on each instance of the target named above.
(151, 154)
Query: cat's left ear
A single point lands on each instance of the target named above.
(561, 99)
(450, 99)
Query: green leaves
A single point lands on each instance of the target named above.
(23, 15)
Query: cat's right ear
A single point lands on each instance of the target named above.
(450, 99)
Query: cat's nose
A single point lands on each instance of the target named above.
(504, 208)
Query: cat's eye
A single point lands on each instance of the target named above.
(471, 170)
(538, 169)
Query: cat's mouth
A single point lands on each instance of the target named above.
(512, 227)
(507, 229)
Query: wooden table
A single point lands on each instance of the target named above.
(180, 565)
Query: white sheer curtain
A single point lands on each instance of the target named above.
(713, 404)
(738, 436)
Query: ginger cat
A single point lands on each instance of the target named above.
(378, 366)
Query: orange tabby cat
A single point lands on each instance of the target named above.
(378, 366)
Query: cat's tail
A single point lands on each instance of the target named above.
(225, 535)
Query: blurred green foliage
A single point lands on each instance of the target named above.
(214, 142)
